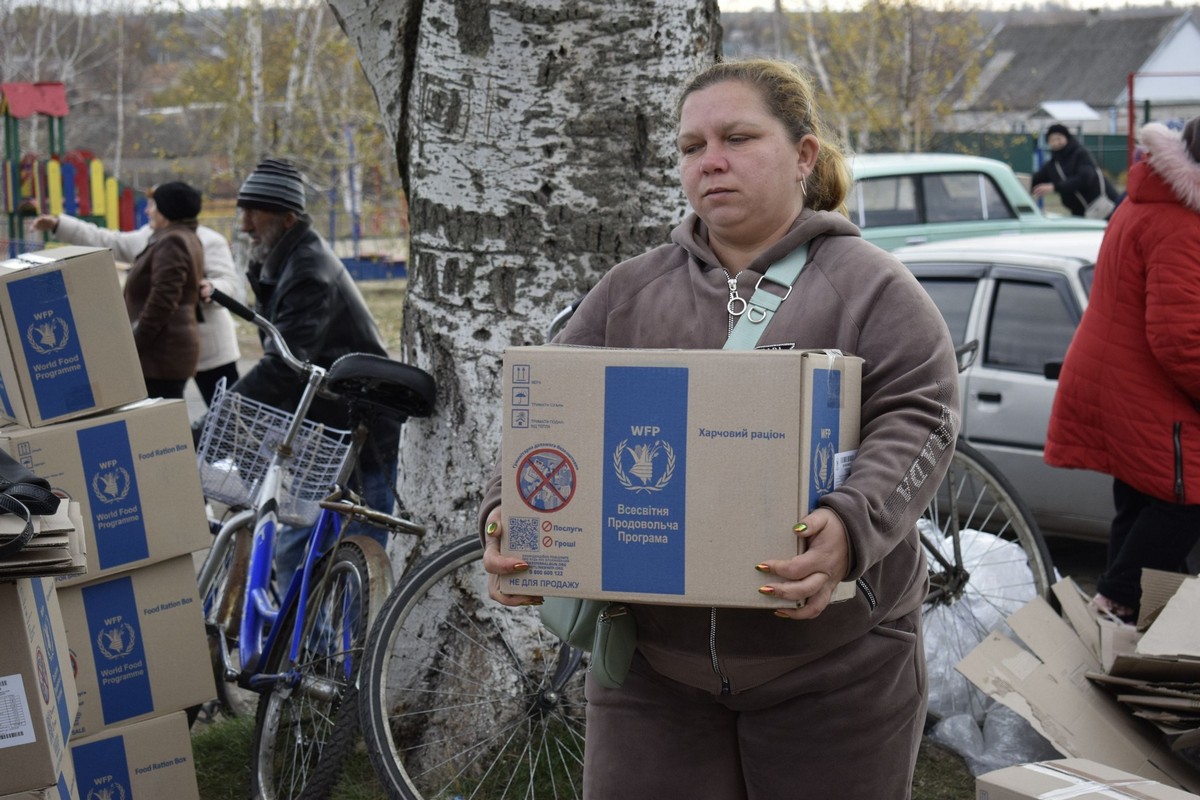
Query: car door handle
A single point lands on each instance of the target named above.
(989, 397)
(916, 240)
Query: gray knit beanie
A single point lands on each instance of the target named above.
(1191, 138)
(274, 185)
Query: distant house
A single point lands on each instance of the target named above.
(1074, 68)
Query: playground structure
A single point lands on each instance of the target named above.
(65, 182)
(73, 182)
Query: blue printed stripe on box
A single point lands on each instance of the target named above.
(102, 769)
(645, 439)
(54, 664)
(116, 635)
(826, 393)
(50, 340)
(118, 520)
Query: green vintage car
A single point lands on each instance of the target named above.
(911, 198)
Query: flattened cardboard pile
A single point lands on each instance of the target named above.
(1100, 690)
(57, 547)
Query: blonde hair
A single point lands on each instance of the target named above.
(789, 96)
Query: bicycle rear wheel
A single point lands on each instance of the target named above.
(307, 721)
(987, 558)
(463, 697)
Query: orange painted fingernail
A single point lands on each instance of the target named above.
(762, 567)
(534, 601)
(520, 567)
(799, 527)
(491, 528)
(766, 590)
(781, 614)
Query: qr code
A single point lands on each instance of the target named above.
(522, 533)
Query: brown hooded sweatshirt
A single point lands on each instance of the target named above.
(854, 297)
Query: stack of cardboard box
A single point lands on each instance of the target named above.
(71, 385)
(1101, 690)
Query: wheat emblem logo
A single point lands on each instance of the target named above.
(114, 791)
(116, 641)
(111, 485)
(822, 469)
(48, 336)
(642, 469)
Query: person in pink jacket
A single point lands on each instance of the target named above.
(1128, 400)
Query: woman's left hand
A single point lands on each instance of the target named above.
(811, 577)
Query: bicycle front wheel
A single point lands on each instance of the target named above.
(307, 721)
(462, 697)
(987, 558)
(223, 597)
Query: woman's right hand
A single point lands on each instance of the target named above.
(45, 222)
(497, 565)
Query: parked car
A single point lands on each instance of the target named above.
(910, 198)
(1020, 298)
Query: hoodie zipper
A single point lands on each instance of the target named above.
(712, 651)
(736, 305)
(1178, 439)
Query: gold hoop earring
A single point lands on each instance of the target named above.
(803, 189)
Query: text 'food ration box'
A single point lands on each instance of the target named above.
(664, 476)
(68, 347)
(139, 645)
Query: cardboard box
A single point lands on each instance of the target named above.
(139, 645)
(148, 760)
(1046, 682)
(37, 688)
(1076, 778)
(63, 789)
(68, 347)
(626, 472)
(134, 474)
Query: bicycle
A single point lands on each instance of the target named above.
(297, 647)
(461, 697)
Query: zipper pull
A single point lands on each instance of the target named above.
(736, 305)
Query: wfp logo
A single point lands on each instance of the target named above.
(113, 791)
(116, 641)
(650, 462)
(48, 335)
(822, 469)
(111, 485)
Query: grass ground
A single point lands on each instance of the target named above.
(221, 748)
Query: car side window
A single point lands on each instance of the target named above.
(1031, 325)
(963, 197)
(953, 298)
(877, 202)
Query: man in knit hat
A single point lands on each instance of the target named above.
(306, 292)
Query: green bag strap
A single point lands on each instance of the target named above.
(763, 304)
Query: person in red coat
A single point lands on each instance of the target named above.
(1128, 400)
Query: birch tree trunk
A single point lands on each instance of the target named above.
(536, 143)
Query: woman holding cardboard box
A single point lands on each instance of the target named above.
(821, 698)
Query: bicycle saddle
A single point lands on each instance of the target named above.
(382, 384)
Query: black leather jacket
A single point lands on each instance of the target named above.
(306, 292)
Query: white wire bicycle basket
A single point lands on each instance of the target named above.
(238, 440)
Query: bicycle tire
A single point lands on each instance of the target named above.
(987, 558)
(223, 612)
(463, 697)
(305, 728)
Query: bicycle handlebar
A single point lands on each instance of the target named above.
(248, 314)
(234, 307)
